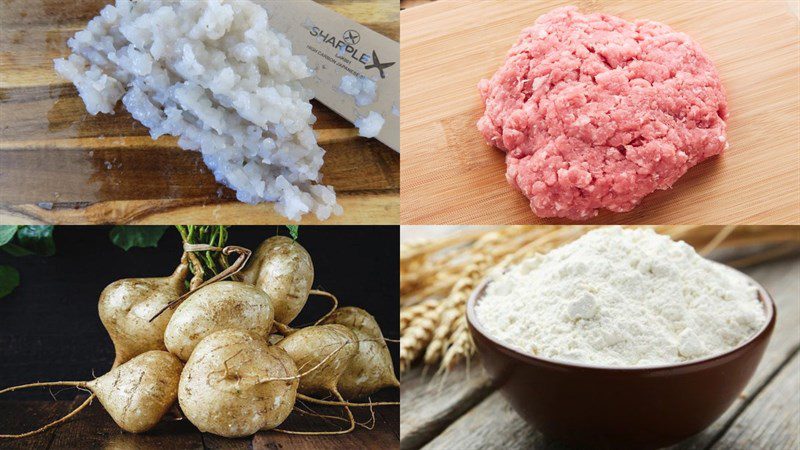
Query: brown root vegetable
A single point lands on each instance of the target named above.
(330, 349)
(126, 307)
(309, 346)
(283, 269)
(136, 394)
(234, 384)
(218, 306)
(371, 368)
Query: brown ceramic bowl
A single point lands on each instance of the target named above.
(595, 406)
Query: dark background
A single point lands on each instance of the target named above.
(50, 329)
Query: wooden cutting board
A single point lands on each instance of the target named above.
(59, 164)
(450, 175)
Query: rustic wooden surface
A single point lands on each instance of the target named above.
(60, 165)
(759, 423)
(450, 175)
(405, 4)
(94, 428)
(432, 403)
(464, 411)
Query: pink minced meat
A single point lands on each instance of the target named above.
(597, 112)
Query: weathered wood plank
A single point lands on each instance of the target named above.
(405, 4)
(112, 170)
(493, 424)
(382, 436)
(27, 415)
(431, 403)
(392, 418)
(23, 109)
(376, 208)
(94, 428)
(213, 442)
(772, 419)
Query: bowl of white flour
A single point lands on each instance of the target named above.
(622, 338)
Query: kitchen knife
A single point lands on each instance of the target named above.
(337, 46)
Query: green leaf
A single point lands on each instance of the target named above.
(7, 233)
(9, 280)
(126, 237)
(16, 250)
(294, 230)
(32, 240)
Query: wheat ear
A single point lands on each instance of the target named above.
(411, 313)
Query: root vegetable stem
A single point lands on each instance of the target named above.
(72, 413)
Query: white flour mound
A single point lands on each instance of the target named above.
(214, 74)
(621, 297)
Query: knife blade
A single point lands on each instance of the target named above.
(337, 46)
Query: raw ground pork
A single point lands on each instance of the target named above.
(597, 112)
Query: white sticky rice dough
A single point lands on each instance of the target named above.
(362, 89)
(371, 125)
(214, 74)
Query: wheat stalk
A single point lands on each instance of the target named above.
(453, 307)
(412, 313)
(416, 337)
(461, 346)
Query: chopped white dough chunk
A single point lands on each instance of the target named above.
(371, 125)
(362, 89)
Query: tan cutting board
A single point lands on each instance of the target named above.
(449, 174)
(60, 165)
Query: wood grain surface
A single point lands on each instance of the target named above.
(405, 4)
(94, 428)
(450, 175)
(430, 404)
(772, 419)
(764, 416)
(59, 164)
